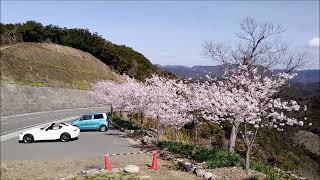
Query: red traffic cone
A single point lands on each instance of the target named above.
(107, 165)
(154, 165)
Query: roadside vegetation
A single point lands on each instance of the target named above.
(216, 155)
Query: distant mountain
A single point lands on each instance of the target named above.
(199, 72)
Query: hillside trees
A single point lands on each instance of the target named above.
(121, 58)
(259, 47)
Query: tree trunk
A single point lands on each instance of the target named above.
(248, 158)
(111, 109)
(141, 119)
(195, 132)
(158, 128)
(130, 117)
(233, 137)
(176, 134)
(121, 115)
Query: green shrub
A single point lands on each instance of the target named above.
(217, 157)
(222, 158)
(177, 147)
(266, 169)
(120, 121)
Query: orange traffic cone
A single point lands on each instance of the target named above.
(107, 165)
(154, 165)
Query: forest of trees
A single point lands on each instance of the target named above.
(121, 58)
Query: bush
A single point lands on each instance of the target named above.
(177, 147)
(216, 158)
(120, 121)
(268, 170)
(222, 158)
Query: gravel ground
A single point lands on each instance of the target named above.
(33, 169)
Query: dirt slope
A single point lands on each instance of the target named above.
(47, 64)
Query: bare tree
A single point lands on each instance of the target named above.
(259, 46)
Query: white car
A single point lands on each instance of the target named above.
(62, 131)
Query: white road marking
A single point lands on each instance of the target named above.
(25, 114)
(14, 134)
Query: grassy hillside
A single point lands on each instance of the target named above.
(48, 64)
(120, 58)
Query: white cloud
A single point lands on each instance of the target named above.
(314, 42)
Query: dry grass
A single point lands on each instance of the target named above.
(52, 65)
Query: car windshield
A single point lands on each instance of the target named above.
(45, 127)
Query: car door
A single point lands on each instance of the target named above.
(53, 133)
(98, 119)
(86, 121)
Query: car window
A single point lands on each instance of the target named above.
(87, 117)
(98, 116)
(54, 126)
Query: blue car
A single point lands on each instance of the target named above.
(92, 121)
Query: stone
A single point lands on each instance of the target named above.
(90, 172)
(180, 164)
(130, 131)
(200, 172)
(189, 167)
(147, 140)
(207, 175)
(132, 169)
(151, 133)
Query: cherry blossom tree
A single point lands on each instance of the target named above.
(259, 45)
(166, 104)
(248, 104)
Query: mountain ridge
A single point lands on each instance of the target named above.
(200, 72)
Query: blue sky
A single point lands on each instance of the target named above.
(172, 32)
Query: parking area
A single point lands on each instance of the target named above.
(89, 144)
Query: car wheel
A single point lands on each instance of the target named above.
(65, 137)
(103, 128)
(28, 138)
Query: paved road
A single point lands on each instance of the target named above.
(15, 122)
(89, 143)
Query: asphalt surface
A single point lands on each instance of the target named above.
(89, 143)
(16, 122)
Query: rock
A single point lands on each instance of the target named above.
(130, 131)
(180, 165)
(186, 166)
(207, 175)
(147, 140)
(189, 167)
(200, 172)
(151, 133)
(132, 169)
(90, 172)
